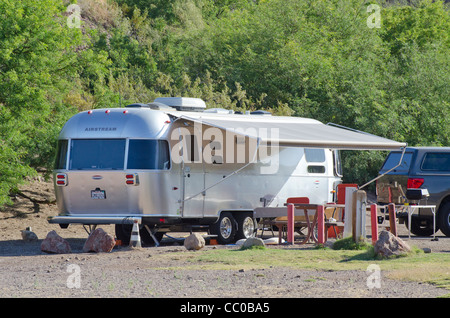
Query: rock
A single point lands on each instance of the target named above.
(194, 242)
(99, 242)
(269, 241)
(273, 241)
(426, 250)
(54, 243)
(240, 242)
(28, 235)
(253, 241)
(388, 245)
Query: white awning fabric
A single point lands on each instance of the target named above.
(291, 131)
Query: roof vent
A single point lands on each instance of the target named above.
(261, 112)
(183, 103)
(155, 106)
(159, 106)
(218, 111)
(137, 105)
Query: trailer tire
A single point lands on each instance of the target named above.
(246, 226)
(225, 228)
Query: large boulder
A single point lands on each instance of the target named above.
(55, 244)
(388, 245)
(99, 242)
(253, 241)
(194, 242)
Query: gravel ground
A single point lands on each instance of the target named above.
(142, 273)
(25, 271)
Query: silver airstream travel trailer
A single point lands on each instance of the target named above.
(176, 166)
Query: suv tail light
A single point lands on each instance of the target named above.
(61, 179)
(414, 183)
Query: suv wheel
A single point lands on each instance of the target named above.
(443, 219)
(421, 227)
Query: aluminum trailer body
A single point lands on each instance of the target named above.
(175, 169)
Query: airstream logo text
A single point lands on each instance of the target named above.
(101, 129)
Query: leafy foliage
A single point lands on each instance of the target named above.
(316, 59)
(36, 63)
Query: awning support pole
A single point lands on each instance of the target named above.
(399, 163)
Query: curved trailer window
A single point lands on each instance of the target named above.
(61, 154)
(109, 154)
(148, 154)
(97, 154)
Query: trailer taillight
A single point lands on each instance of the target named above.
(414, 183)
(132, 179)
(61, 179)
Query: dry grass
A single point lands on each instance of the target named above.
(102, 12)
(419, 267)
(436, 274)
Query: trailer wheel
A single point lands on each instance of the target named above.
(123, 233)
(246, 226)
(225, 228)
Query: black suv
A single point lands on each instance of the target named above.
(421, 168)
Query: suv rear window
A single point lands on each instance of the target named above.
(393, 159)
(436, 161)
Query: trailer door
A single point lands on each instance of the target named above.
(193, 175)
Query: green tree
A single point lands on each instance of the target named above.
(322, 59)
(37, 64)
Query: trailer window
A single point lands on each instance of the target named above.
(61, 154)
(316, 169)
(148, 154)
(192, 149)
(98, 154)
(314, 155)
(337, 163)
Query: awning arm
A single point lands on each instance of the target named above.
(399, 163)
(366, 133)
(351, 129)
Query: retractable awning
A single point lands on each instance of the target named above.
(291, 131)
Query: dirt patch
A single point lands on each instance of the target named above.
(25, 271)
